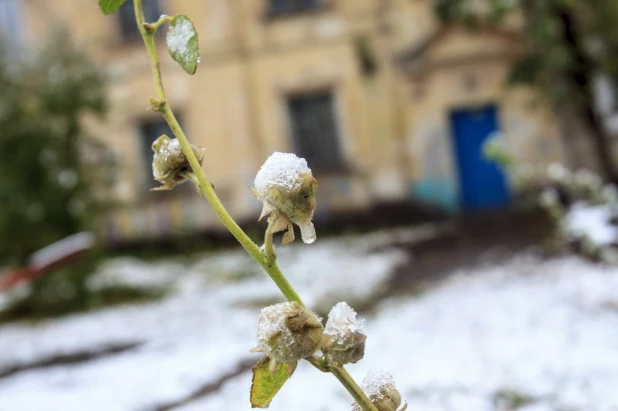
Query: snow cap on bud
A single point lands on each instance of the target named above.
(170, 166)
(286, 188)
(379, 386)
(288, 332)
(344, 341)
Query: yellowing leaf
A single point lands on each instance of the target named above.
(110, 6)
(183, 44)
(264, 387)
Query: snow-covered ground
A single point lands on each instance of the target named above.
(203, 330)
(546, 330)
(592, 221)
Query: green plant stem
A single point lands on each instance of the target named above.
(155, 26)
(348, 382)
(162, 105)
(206, 189)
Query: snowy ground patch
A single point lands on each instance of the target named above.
(202, 331)
(592, 221)
(541, 331)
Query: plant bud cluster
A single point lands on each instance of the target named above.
(170, 166)
(288, 332)
(286, 188)
(379, 386)
(344, 341)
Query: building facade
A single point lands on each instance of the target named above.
(376, 95)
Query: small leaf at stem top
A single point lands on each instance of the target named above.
(110, 6)
(264, 387)
(182, 42)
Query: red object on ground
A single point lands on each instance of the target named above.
(44, 261)
(15, 277)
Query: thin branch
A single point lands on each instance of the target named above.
(206, 189)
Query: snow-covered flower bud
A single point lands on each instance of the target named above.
(344, 341)
(170, 166)
(288, 332)
(286, 188)
(379, 386)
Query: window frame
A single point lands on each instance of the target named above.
(128, 32)
(271, 11)
(340, 164)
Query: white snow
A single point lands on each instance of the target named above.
(203, 330)
(374, 383)
(271, 324)
(173, 148)
(178, 39)
(342, 322)
(60, 249)
(376, 379)
(281, 170)
(592, 221)
(546, 329)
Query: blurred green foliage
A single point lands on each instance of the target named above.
(49, 165)
(568, 44)
(53, 174)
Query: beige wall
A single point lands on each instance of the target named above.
(464, 71)
(393, 127)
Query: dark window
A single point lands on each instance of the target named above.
(280, 7)
(126, 16)
(314, 130)
(150, 130)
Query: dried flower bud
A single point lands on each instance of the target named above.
(344, 341)
(380, 388)
(285, 184)
(288, 332)
(170, 166)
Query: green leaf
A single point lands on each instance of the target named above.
(264, 387)
(183, 44)
(110, 6)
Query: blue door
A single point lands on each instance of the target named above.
(482, 183)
